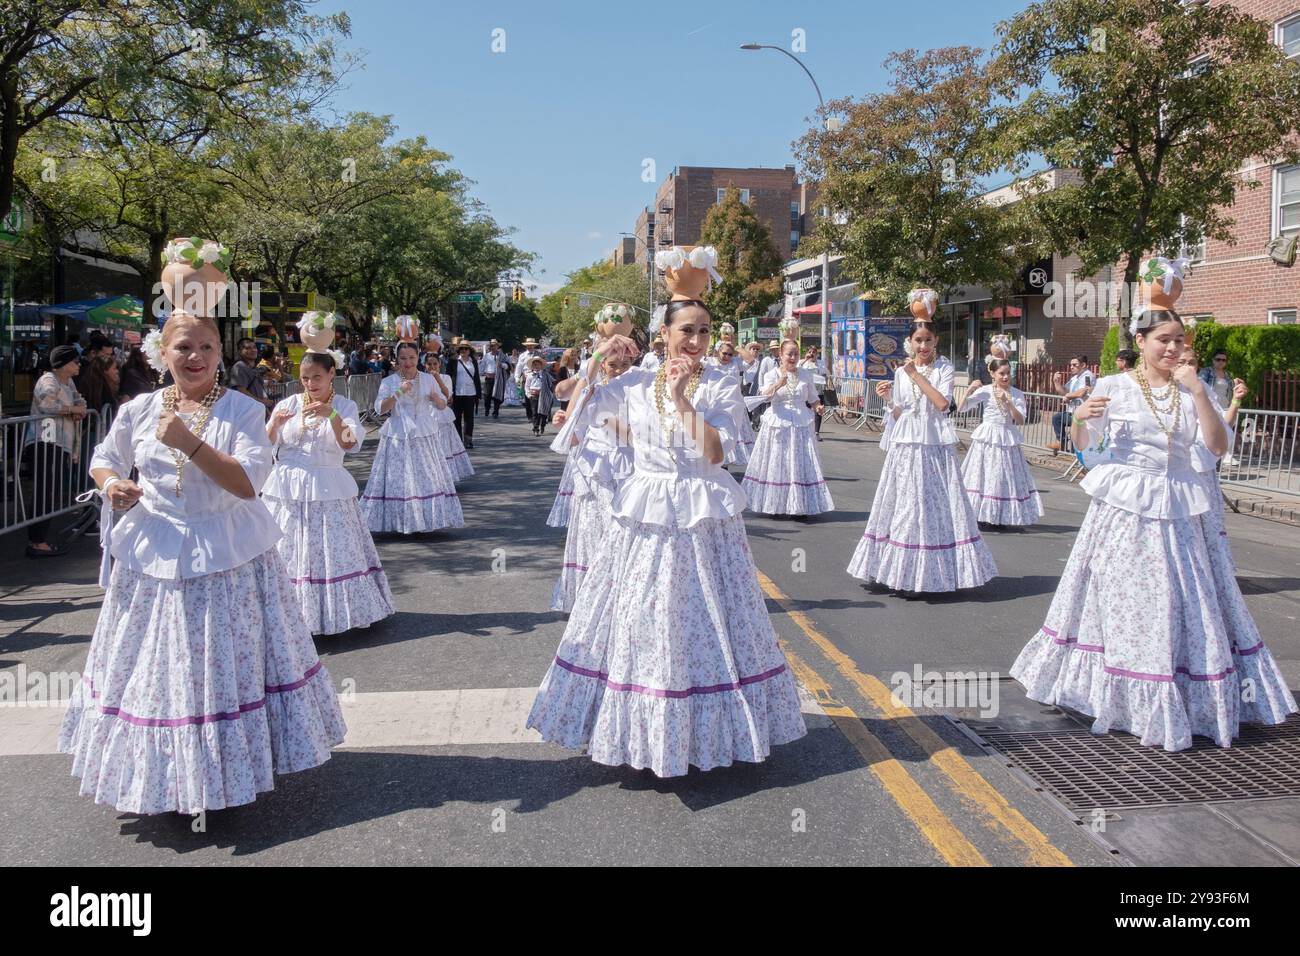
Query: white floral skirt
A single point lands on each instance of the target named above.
(560, 508)
(589, 518)
(196, 691)
(669, 659)
(410, 488)
(1000, 486)
(744, 446)
(1148, 633)
(332, 563)
(454, 453)
(921, 534)
(784, 475)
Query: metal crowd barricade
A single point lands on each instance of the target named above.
(1264, 455)
(362, 389)
(39, 479)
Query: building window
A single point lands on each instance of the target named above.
(1288, 36)
(1190, 252)
(1281, 316)
(794, 239)
(744, 195)
(794, 212)
(1286, 203)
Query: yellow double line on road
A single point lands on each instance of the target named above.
(986, 804)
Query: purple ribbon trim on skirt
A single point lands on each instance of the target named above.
(918, 547)
(343, 577)
(440, 494)
(976, 491)
(784, 484)
(576, 567)
(203, 718)
(671, 694)
(1121, 672)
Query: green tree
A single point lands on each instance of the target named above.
(602, 282)
(905, 172)
(1156, 104)
(748, 260)
(516, 322)
(92, 59)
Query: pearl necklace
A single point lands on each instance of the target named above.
(669, 421)
(918, 406)
(315, 419)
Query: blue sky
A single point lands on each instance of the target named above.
(554, 129)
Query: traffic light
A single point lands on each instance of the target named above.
(518, 294)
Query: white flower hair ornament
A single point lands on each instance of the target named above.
(316, 320)
(673, 258)
(152, 349)
(197, 252)
(614, 312)
(657, 319)
(789, 329)
(338, 357)
(704, 258)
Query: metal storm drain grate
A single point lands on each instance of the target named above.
(1087, 771)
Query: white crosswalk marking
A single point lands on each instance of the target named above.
(410, 718)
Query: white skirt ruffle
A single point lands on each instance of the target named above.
(740, 452)
(410, 488)
(999, 484)
(589, 517)
(669, 659)
(454, 453)
(196, 691)
(784, 475)
(332, 564)
(560, 508)
(1148, 633)
(921, 534)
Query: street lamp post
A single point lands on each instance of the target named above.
(826, 259)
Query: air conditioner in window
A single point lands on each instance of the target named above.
(1282, 250)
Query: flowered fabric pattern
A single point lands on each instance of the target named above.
(921, 534)
(410, 488)
(332, 564)
(784, 475)
(197, 690)
(999, 484)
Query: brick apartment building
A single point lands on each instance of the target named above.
(686, 196)
(1238, 283)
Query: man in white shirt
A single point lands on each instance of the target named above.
(654, 358)
(487, 368)
(466, 387)
(530, 349)
(1075, 391)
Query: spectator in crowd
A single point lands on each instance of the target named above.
(1125, 360)
(565, 367)
(1216, 378)
(100, 345)
(54, 449)
(386, 363)
(812, 360)
(269, 365)
(1075, 390)
(137, 376)
(101, 385)
(245, 376)
(358, 365)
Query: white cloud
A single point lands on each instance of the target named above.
(595, 235)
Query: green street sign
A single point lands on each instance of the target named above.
(469, 296)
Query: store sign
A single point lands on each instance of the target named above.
(884, 346)
(806, 284)
(1033, 278)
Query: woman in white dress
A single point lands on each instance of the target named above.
(600, 464)
(921, 534)
(410, 488)
(669, 659)
(728, 361)
(995, 473)
(202, 679)
(325, 544)
(1147, 631)
(784, 475)
(453, 448)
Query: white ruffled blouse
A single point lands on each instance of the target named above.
(790, 410)
(997, 427)
(1145, 472)
(205, 529)
(599, 458)
(672, 484)
(447, 414)
(309, 462)
(918, 421)
(413, 414)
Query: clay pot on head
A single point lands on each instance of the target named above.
(318, 340)
(686, 282)
(1155, 295)
(191, 291)
(924, 302)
